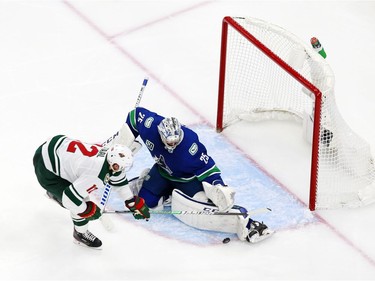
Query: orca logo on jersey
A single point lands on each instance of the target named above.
(162, 164)
(193, 149)
(149, 121)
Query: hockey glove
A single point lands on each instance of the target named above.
(92, 211)
(221, 195)
(139, 208)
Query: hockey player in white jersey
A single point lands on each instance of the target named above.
(70, 170)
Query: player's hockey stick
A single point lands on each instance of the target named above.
(106, 221)
(144, 84)
(169, 212)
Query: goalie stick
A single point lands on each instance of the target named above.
(144, 84)
(169, 212)
(106, 221)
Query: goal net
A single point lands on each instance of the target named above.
(267, 73)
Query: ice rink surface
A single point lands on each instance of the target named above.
(75, 68)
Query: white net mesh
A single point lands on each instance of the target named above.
(256, 88)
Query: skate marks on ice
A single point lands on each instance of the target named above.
(254, 189)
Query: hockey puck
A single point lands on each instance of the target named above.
(226, 240)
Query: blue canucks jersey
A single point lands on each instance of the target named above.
(188, 161)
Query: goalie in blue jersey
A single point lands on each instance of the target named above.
(185, 173)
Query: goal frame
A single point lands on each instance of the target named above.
(230, 22)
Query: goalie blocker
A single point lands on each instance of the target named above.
(125, 137)
(242, 225)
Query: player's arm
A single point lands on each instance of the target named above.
(121, 186)
(140, 119)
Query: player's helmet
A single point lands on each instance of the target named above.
(170, 132)
(119, 157)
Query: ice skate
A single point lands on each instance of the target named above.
(258, 231)
(87, 239)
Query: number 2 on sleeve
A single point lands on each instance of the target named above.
(73, 145)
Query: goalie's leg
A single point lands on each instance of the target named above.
(245, 228)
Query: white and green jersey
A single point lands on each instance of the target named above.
(83, 165)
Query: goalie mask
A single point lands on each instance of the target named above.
(119, 158)
(170, 132)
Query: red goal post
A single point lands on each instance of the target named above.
(266, 73)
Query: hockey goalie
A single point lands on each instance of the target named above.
(186, 174)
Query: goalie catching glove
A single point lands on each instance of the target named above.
(92, 211)
(139, 208)
(221, 195)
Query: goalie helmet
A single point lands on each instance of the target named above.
(170, 132)
(119, 158)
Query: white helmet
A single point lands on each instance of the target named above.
(120, 155)
(170, 132)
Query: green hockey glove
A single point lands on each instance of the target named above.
(139, 208)
(92, 211)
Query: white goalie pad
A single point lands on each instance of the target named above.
(221, 196)
(228, 224)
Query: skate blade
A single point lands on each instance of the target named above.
(257, 239)
(85, 246)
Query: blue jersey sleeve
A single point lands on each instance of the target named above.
(131, 121)
(143, 122)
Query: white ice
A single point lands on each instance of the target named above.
(75, 68)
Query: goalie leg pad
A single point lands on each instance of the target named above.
(245, 228)
(228, 224)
